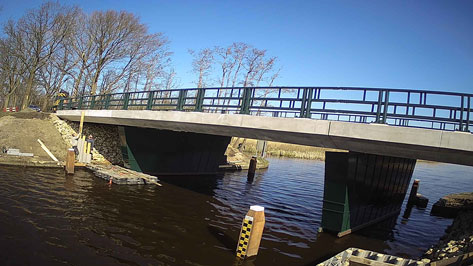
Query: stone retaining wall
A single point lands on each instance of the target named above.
(107, 142)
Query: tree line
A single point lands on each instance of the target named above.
(57, 47)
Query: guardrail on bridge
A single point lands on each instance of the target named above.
(401, 107)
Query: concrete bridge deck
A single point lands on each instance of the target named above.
(407, 142)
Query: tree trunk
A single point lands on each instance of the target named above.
(29, 88)
(77, 83)
(44, 104)
(93, 88)
(7, 100)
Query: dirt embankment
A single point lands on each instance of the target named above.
(22, 130)
(278, 149)
(234, 156)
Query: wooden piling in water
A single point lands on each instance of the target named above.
(251, 232)
(71, 157)
(252, 167)
(413, 194)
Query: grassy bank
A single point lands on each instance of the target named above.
(279, 149)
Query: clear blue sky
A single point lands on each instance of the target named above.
(396, 44)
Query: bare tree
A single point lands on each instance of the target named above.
(56, 45)
(239, 54)
(36, 37)
(253, 62)
(202, 64)
(51, 76)
(170, 80)
(274, 77)
(224, 60)
(55, 72)
(11, 71)
(120, 43)
(80, 47)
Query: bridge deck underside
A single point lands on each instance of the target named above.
(413, 143)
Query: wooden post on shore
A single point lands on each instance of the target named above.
(252, 167)
(251, 232)
(70, 161)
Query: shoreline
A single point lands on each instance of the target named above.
(457, 242)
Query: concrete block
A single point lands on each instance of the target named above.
(13, 152)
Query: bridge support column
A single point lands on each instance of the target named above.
(362, 189)
(165, 152)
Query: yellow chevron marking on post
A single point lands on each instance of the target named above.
(244, 236)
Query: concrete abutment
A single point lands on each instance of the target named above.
(362, 189)
(166, 152)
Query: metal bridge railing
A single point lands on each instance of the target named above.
(401, 107)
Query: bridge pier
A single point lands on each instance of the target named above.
(362, 189)
(166, 152)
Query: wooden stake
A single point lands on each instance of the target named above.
(47, 151)
(82, 115)
(252, 167)
(71, 157)
(251, 232)
(413, 194)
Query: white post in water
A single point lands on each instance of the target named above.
(251, 232)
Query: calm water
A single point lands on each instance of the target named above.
(47, 218)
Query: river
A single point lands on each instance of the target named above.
(49, 218)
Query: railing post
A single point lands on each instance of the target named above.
(81, 100)
(69, 104)
(302, 113)
(92, 102)
(199, 100)
(467, 128)
(126, 98)
(149, 104)
(246, 101)
(461, 114)
(386, 105)
(309, 103)
(181, 100)
(61, 104)
(107, 101)
(378, 111)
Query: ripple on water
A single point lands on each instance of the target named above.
(49, 218)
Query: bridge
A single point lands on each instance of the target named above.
(384, 130)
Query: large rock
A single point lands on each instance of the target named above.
(450, 205)
(458, 239)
